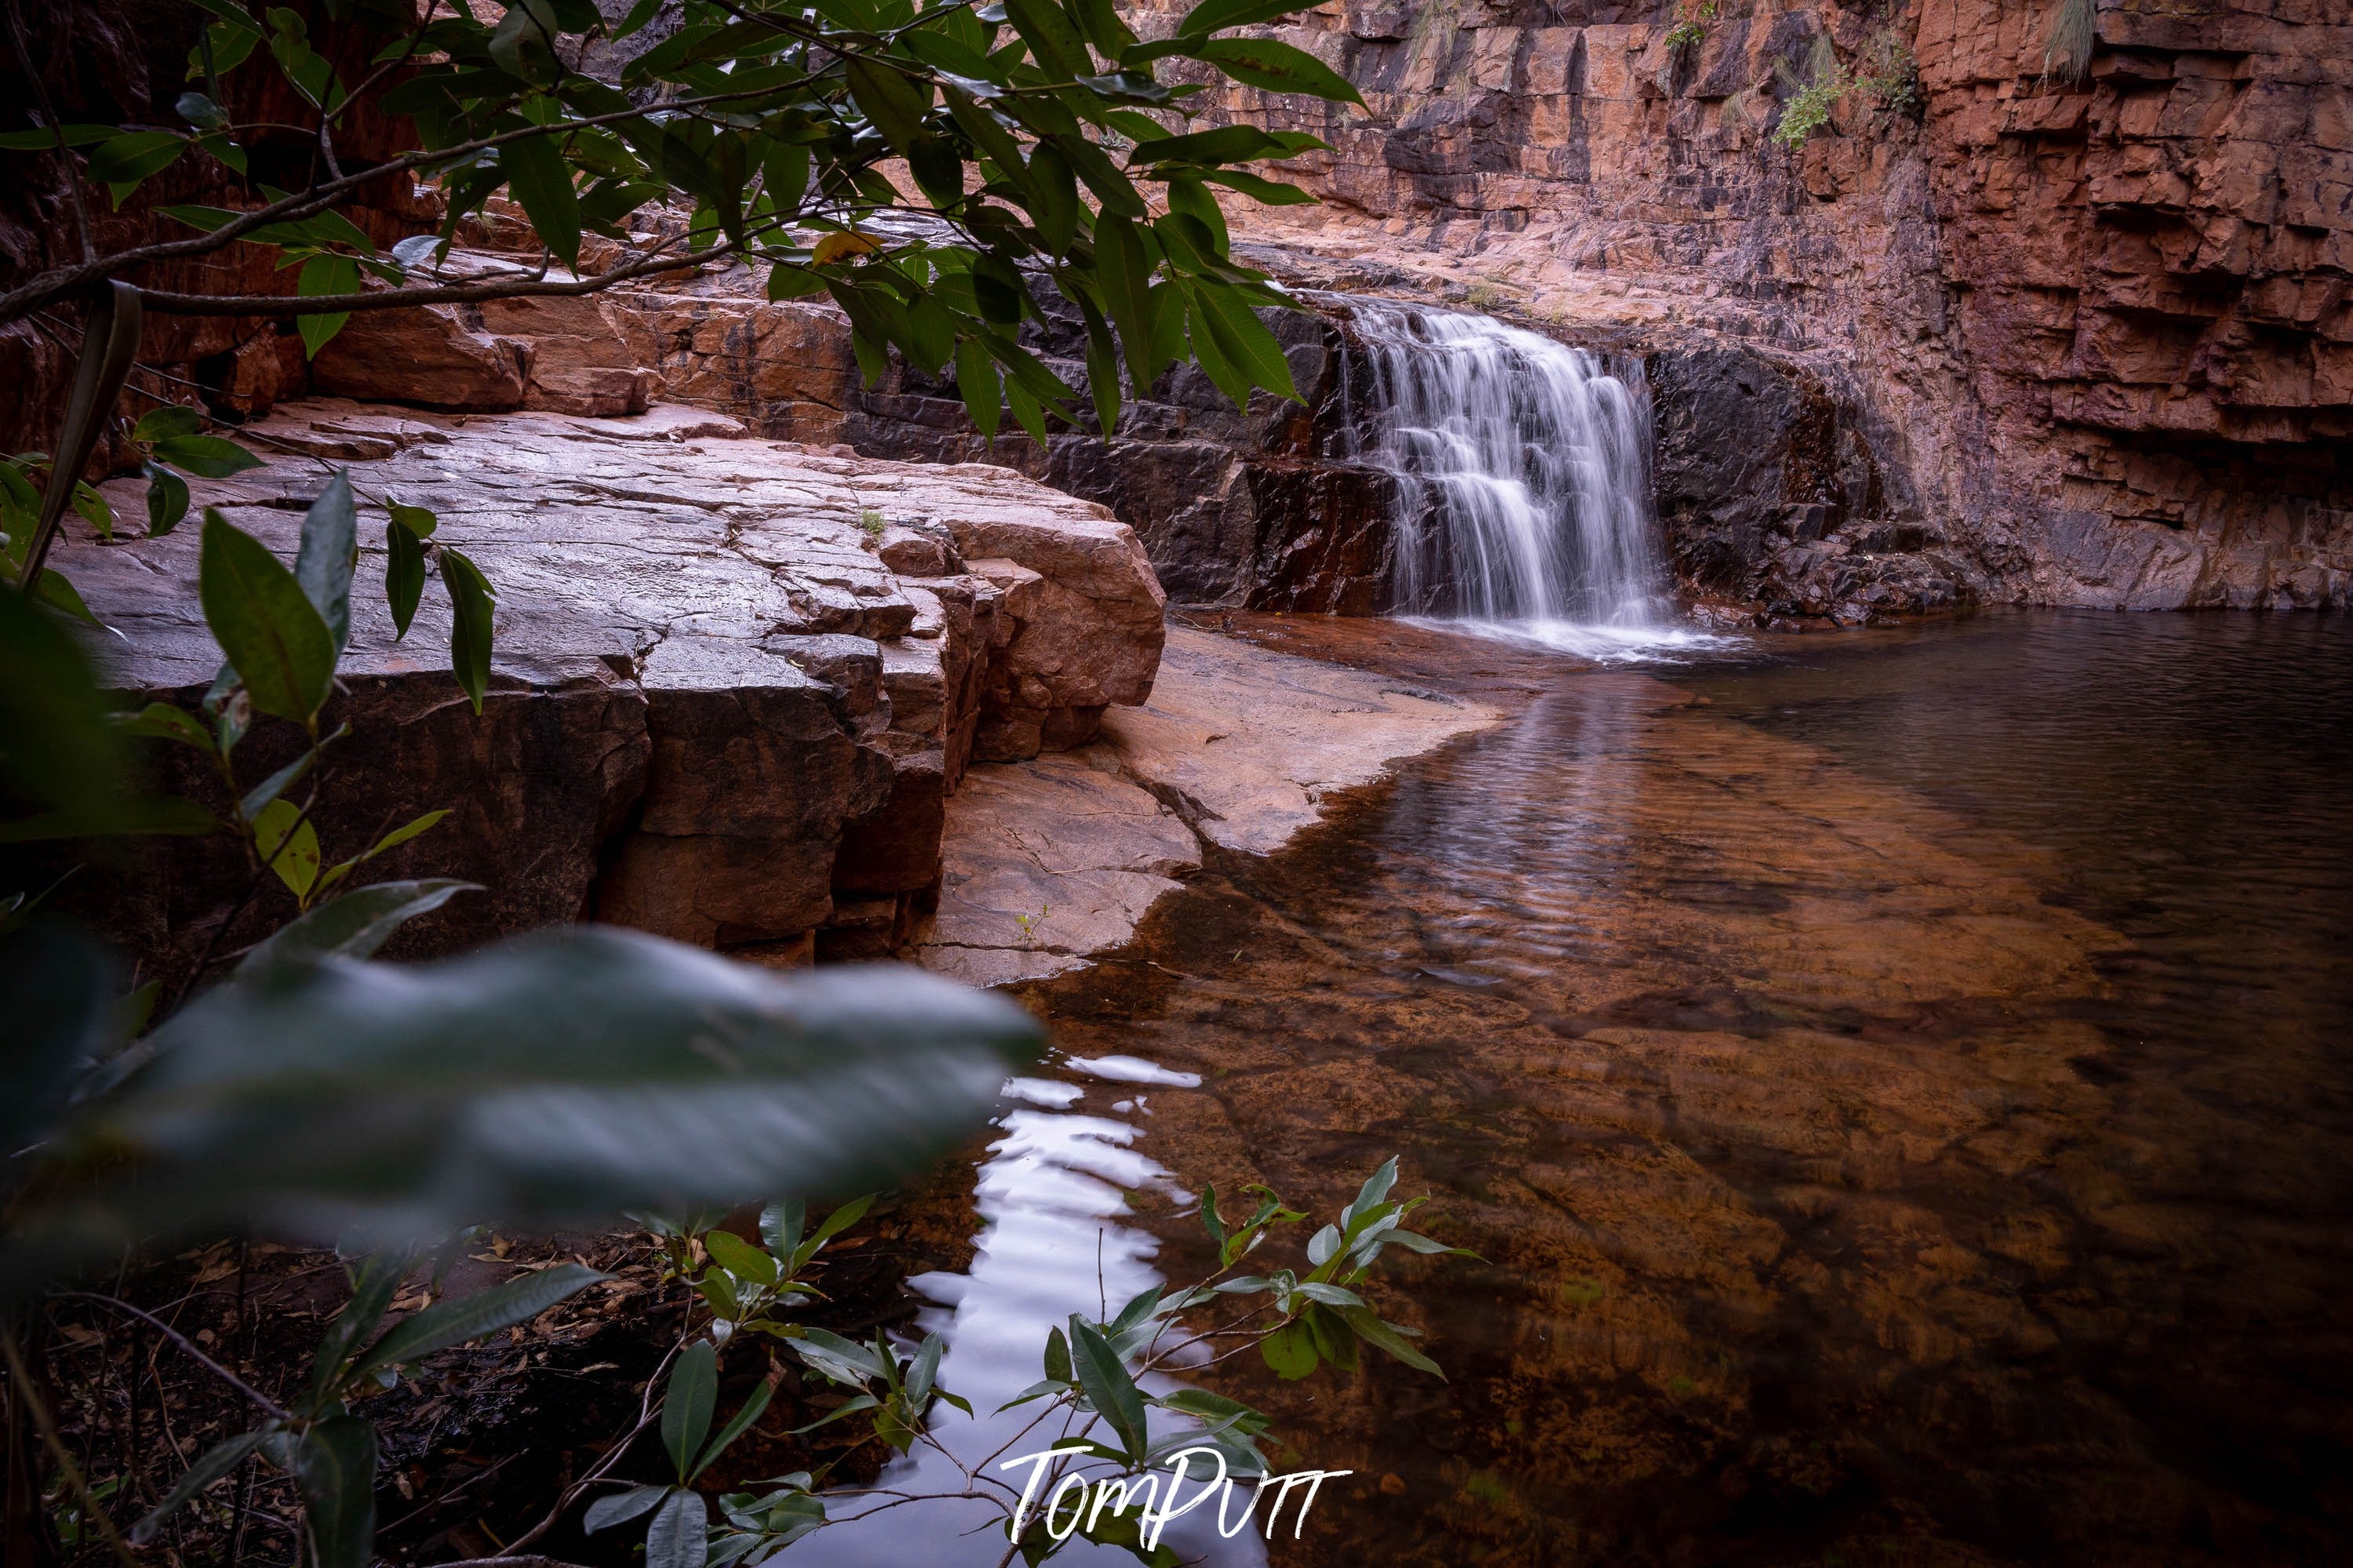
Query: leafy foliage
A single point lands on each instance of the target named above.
(912, 163)
(330, 1452)
(1810, 100)
(1092, 1370)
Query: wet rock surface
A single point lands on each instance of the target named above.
(1237, 751)
(718, 709)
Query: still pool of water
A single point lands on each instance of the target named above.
(1899, 1085)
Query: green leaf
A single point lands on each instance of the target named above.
(1127, 277)
(1276, 67)
(1212, 1220)
(256, 799)
(1386, 1338)
(122, 163)
(780, 1229)
(846, 1407)
(836, 1222)
(404, 574)
(640, 15)
(1369, 1196)
(167, 499)
(977, 384)
(200, 111)
(45, 140)
(417, 520)
(740, 1258)
(1290, 1350)
(469, 1317)
(1226, 144)
(1272, 192)
(1026, 412)
(328, 551)
(208, 457)
(324, 277)
(286, 839)
(1103, 1377)
(374, 1284)
(352, 926)
(404, 833)
(333, 1465)
(211, 1465)
(555, 1079)
(754, 1405)
(895, 104)
(94, 510)
(1052, 39)
(161, 722)
(621, 1507)
(687, 1402)
(157, 814)
(1054, 203)
(1098, 19)
(542, 182)
(843, 1361)
(680, 1536)
(60, 984)
(263, 621)
(470, 605)
(1244, 340)
(172, 419)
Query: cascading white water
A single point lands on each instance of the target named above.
(1524, 499)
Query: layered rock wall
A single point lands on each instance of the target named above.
(2100, 329)
(735, 681)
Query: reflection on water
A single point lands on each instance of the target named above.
(1899, 1083)
(1052, 1197)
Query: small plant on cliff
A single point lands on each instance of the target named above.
(1891, 75)
(1810, 99)
(2067, 47)
(1689, 30)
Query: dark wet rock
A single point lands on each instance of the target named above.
(1773, 490)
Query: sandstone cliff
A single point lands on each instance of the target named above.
(2099, 329)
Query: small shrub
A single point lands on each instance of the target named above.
(874, 523)
(1690, 30)
(1808, 108)
(1892, 79)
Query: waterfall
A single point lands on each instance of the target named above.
(1523, 500)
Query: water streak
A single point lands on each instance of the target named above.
(1523, 506)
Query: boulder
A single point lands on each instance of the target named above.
(716, 711)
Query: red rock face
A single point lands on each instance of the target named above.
(125, 62)
(2104, 325)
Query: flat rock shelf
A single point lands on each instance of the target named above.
(733, 680)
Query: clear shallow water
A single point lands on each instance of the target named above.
(1900, 1084)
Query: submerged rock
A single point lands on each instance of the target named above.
(1237, 750)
